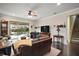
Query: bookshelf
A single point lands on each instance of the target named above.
(4, 28)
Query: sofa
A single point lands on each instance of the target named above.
(39, 48)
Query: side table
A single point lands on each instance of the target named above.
(58, 41)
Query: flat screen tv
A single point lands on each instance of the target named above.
(45, 29)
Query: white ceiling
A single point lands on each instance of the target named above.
(43, 10)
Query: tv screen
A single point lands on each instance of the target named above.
(45, 29)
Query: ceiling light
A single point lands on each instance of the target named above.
(29, 16)
(58, 4)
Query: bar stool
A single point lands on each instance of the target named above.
(59, 39)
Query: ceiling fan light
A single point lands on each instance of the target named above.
(30, 16)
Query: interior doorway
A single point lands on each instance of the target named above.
(74, 28)
(73, 35)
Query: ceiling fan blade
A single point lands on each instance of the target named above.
(34, 15)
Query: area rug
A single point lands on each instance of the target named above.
(53, 52)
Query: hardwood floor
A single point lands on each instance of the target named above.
(74, 49)
(70, 50)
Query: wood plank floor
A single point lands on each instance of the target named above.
(74, 49)
(70, 50)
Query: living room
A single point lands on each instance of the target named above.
(37, 23)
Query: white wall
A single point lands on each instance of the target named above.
(58, 19)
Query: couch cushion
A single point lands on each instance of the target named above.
(27, 42)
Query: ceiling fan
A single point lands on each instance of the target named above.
(32, 13)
